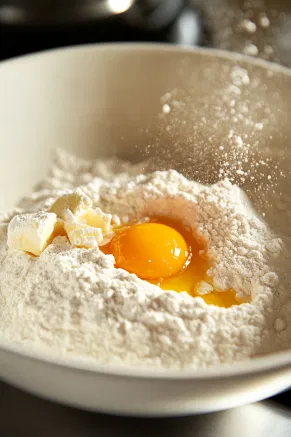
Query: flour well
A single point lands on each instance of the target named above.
(73, 301)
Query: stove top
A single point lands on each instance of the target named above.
(24, 415)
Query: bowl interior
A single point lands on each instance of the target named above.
(206, 114)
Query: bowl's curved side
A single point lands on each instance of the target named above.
(103, 100)
(121, 394)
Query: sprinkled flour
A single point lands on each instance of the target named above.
(73, 301)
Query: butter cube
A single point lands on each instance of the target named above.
(82, 235)
(98, 219)
(77, 202)
(31, 232)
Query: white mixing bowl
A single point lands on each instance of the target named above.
(103, 100)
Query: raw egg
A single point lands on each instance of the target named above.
(150, 250)
(166, 254)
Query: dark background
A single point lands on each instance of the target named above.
(31, 25)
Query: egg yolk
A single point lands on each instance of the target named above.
(150, 250)
(224, 299)
(165, 254)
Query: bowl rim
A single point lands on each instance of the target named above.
(265, 364)
(269, 364)
(146, 47)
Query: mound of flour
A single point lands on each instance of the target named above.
(74, 302)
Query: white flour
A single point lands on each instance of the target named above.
(74, 302)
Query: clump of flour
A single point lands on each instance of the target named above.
(74, 302)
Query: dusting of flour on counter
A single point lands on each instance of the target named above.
(73, 302)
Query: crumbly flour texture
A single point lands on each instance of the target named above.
(74, 302)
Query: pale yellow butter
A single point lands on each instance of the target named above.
(31, 232)
(98, 219)
(82, 235)
(77, 202)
